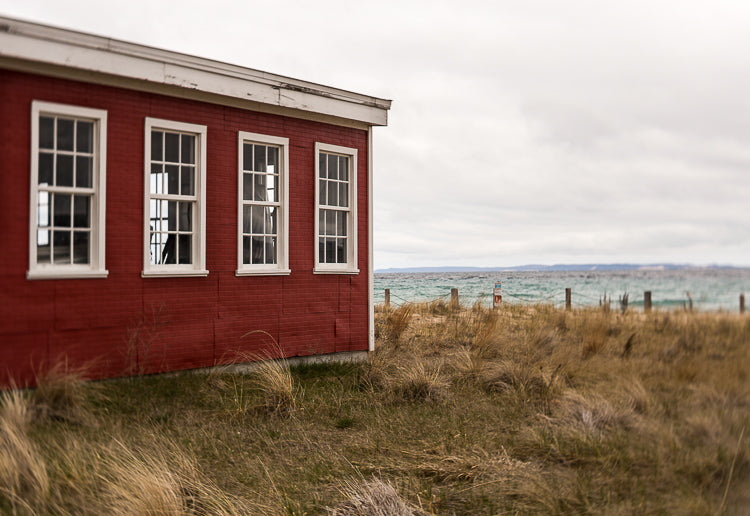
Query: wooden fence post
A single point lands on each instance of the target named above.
(454, 298)
(647, 301)
(742, 303)
(387, 298)
(567, 299)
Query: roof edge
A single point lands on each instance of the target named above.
(48, 45)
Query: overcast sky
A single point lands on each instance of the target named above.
(521, 131)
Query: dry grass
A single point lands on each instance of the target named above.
(519, 410)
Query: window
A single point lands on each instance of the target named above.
(175, 185)
(262, 204)
(336, 208)
(68, 185)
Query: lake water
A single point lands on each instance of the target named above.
(710, 289)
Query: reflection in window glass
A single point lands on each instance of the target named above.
(66, 171)
(172, 197)
(333, 194)
(260, 203)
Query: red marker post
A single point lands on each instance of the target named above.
(497, 296)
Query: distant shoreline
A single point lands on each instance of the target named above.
(559, 267)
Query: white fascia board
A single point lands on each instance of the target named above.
(42, 44)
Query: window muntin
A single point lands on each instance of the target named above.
(262, 217)
(335, 228)
(175, 186)
(67, 191)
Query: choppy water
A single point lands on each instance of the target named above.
(710, 289)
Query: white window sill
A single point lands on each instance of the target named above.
(263, 272)
(174, 274)
(319, 270)
(66, 274)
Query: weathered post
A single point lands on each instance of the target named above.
(742, 303)
(647, 301)
(454, 298)
(567, 299)
(387, 301)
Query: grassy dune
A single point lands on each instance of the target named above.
(525, 409)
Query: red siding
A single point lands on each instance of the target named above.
(182, 322)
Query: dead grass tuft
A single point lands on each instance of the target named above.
(23, 474)
(63, 394)
(372, 498)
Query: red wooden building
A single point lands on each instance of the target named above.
(156, 207)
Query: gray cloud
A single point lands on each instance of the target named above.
(521, 132)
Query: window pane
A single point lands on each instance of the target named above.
(46, 132)
(273, 160)
(42, 246)
(323, 190)
(186, 249)
(332, 167)
(341, 223)
(321, 222)
(272, 192)
(65, 128)
(187, 181)
(247, 156)
(186, 216)
(155, 220)
(270, 249)
(330, 222)
(330, 250)
(83, 171)
(157, 146)
(343, 168)
(172, 215)
(247, 186)
(155, 245)
(188, 148)
(61, 246)
(62, 210)
(271, 221)
(246, 249)
(341, 250)
(64, 170)
(81, 211)
(344, 194)
(259, 164)
(169, 252)
(257, 220)
(333, 193)
(172, 147)
(42, 212)
(258, 249)
(260, 186)
(85, 137)
(81, 246)
(322, 167)
(246, 218)
(45, 168)
(172, 177)
(321, 250)
(156, 179)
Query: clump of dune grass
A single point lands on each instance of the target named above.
(416, 381)
(397, 321)
(279, 395)
(63, 394)
(24, 483)
(372, 498)
(161, 481)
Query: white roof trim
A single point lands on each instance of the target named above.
(46, 45)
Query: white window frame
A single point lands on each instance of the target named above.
(198, 265)
(281, 267)
(95, 268)
(350, 267)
